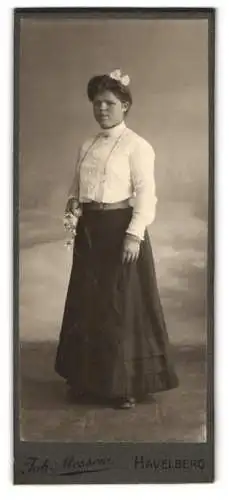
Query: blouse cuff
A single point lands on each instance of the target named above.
(136, 229)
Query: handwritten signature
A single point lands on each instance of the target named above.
(69, 466)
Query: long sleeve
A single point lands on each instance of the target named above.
(142, 161)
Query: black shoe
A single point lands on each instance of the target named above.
(126, 404)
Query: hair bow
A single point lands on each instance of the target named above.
(116, 75)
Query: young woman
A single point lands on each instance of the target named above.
(113, 342)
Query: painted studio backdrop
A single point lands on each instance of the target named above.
(167, 61)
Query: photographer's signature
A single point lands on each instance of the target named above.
(69, 466)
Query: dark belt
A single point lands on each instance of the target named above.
(94, 205)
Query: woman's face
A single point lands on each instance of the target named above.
(108, 109)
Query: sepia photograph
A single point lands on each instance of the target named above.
(112, 176)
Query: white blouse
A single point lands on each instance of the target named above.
(114, 165)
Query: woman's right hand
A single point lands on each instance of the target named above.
(71, 206)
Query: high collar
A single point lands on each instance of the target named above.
(113, 131)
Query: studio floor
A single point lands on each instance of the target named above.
(47, 414)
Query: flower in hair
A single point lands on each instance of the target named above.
(117, 75)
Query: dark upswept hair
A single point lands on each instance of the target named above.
(104, 82)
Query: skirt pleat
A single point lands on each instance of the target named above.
(113, 340)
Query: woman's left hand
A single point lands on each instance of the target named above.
(131, 248)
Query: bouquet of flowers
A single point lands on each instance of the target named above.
(70, 224)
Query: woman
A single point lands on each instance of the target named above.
(113, 341)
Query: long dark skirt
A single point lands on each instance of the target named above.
(113, 341)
